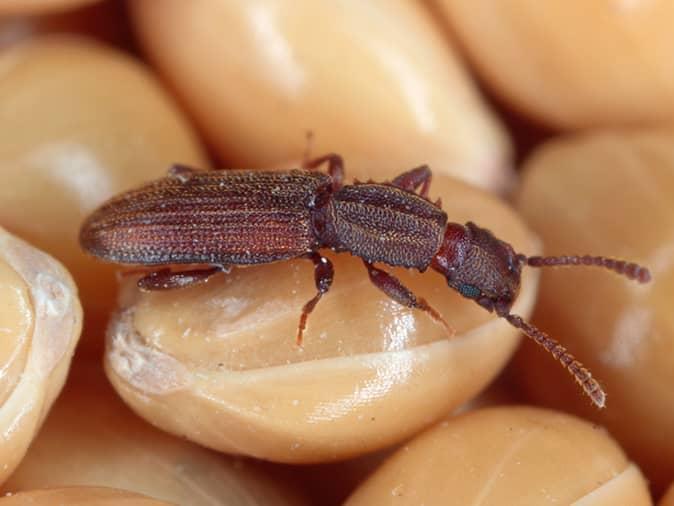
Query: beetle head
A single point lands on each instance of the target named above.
(479, 266)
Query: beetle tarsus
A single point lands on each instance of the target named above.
(323, 275)
(435, 316)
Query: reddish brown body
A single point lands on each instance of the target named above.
(214, 217)
(245, 217)
(382, 223)
(224, 218)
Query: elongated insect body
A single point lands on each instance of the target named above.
(223, 218)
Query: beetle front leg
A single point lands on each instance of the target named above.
(413, 179)
(335, 168)
(166, 279)
(392, 287)
(323, 274)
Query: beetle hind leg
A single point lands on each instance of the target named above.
(323, 274)
(392, 287)
(166, 279)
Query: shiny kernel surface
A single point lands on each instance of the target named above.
(99, 97)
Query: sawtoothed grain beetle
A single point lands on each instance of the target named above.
(225, 218)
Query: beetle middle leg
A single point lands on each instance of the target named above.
(392, 287)
(166, 279)
(323, 274)
(414, 178)
(335, 168)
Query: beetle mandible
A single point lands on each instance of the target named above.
(225, 218)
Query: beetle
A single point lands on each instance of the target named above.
(226, 218)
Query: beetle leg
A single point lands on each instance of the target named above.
(335, 168)
(165, 279)
(392, 287)
(412, 179)
(182, 173)
(323, 273)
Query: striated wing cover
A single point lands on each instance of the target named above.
(221, 217)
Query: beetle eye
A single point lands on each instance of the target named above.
(469, 291)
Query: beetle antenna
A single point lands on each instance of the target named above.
(582, 376)
(627, 269)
